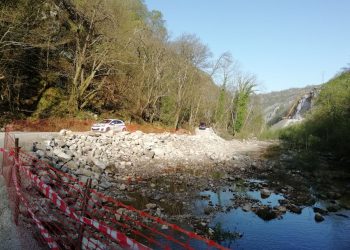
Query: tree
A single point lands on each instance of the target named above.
(224, 71)
(189, 56)
(245, 88)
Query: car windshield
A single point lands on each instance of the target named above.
(106, 121)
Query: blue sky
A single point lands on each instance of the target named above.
(286, 43)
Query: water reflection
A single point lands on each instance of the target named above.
(294, 231)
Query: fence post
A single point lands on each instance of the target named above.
(83, 213)
(18, 176)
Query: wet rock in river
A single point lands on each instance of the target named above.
(265, 193)
(295, 209)
(333, 208)
(320, 211)
(266, 213)
(247, 207)
(205, 196)
(209, 210)
(281, 209)
(283, 201)
(318, 217)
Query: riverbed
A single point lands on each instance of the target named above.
(290, 231)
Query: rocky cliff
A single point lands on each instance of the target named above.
(290, 103)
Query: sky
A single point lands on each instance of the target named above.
(286, 43)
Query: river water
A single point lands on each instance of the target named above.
(292, 231)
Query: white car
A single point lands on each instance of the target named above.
(108, 125)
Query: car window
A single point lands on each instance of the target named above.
(119, 122)
(105, 121)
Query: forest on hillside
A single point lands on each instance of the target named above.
(327, 127)
(76, 58)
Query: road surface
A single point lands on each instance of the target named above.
(9, 234)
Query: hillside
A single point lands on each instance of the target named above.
(112, 58)
(327, 127)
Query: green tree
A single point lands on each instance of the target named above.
(245, 88)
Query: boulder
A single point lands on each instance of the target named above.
(266, 213)
(318, 217)
(98, 163)
(247, 207)
(333, 208)
(265, 193)
(151, 206)
(62, 155)
(295, 209)
(105, 184)
(63, 132)
(208, 210)
(320, 211)
(122, 187)
(282, 209)
(40, 153)
(71, 165)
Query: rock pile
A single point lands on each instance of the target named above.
(102, 156)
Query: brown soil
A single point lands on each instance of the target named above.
(56, 124)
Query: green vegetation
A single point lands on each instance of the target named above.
(67, 58)
(327, 128)
(76, 58)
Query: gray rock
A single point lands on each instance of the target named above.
(105, 184)
(151, 206)
(83, 171)
(40, 153)
(247, 207)
(71, 165)
(63, 132)
(83, 178)
(61, 154)
(122, 187)
(98, 163)
(149, 153)
(159, 152)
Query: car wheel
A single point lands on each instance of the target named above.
(107, 129)
(124, 129)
